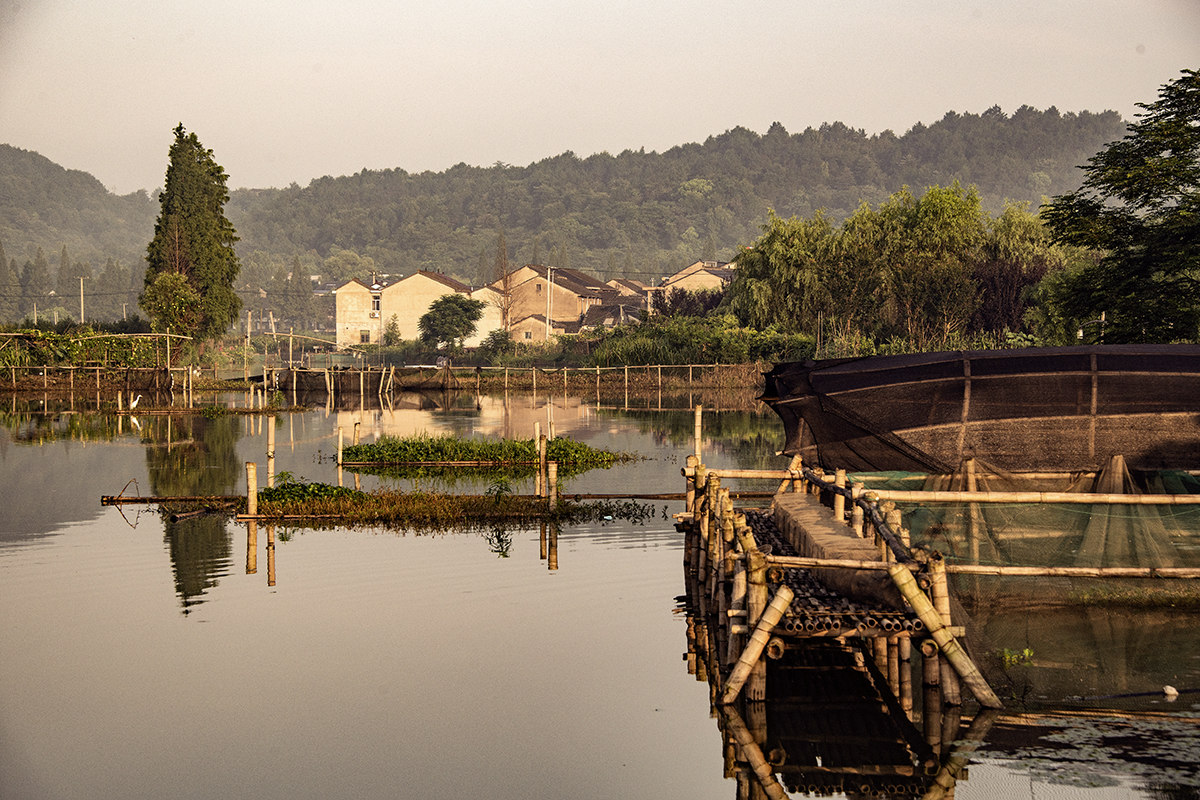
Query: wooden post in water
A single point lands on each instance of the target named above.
(906, 689)
(699, 430)
(270, 555)
(552, 555)
(271, 452)
(713, 553)
(702, 513)
(931, 709)
(939, 593)
(357, 425)
(251, 488)
(251, 546)
(542, 463)
(893, 665)
(552, 481)
(341, 440)
(756, 603)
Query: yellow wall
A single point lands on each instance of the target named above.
(354, 315)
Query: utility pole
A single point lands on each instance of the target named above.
(80, 299)
(549, 294)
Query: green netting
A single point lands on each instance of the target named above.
(1055, 534)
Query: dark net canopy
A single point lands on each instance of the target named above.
(1060, 408)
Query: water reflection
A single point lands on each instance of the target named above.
(836, 718)
(191, 457)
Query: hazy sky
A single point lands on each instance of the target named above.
(290, 90)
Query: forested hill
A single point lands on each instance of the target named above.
(44, 205)
(636, 214)
(640, 214)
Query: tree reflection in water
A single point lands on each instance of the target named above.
(194, 456)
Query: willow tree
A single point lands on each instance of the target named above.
(779, 280)
(193, 239)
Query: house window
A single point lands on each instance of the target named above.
(528, 334)
(364, 337)
(375, 303)
(539, 288)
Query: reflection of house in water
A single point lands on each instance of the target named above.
(511, 417)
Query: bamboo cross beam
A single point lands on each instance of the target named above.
(758, 642)
(754, 755)
(800, 562)
(900, 496)
(949, 646)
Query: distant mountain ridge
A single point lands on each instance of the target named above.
(635, 214)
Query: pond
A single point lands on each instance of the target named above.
(147, 658)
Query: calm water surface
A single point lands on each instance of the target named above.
(141, 658)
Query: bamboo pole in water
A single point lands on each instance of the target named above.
(251, 488)
(270, 555)
(758, 641)
(753, 754)
(931, 710)
(958, 657)
(552, 481)
(690, 483)
(906, 688)
(251, 546)
(270, 452)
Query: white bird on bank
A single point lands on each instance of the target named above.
(133, 405)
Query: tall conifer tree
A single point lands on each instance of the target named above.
(193, 238)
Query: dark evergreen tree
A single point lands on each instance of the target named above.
(193, 238)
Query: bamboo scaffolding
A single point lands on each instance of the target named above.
(757, 643)
(958, 658)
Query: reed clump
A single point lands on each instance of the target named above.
(295, 500)
(424, 448)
